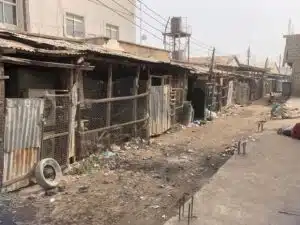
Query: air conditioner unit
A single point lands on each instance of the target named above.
(50, 104)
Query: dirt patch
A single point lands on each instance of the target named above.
(142, 184)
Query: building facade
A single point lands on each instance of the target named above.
(292, 58)
(71, 18)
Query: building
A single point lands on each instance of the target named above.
(71, 18)
(292, 58)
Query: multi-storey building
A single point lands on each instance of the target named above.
(292, 58)
(71, 18)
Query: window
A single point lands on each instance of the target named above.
(8, 12)
(74, 25)
(112, 31)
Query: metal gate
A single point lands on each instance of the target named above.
(160, 119)
(22, 141)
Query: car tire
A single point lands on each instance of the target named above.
(41, 177)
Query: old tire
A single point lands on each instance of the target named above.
(41, 174)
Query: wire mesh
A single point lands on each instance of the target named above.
(98, 129)
(56, 128)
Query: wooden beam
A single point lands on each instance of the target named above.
(116, 98)
(2, 118)
(30, 62)
(116, 61)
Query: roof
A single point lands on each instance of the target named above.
(219, 60)
(34, 44)
(196, 67)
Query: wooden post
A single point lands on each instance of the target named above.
(148, 109)
(2, 119)
(79, 105)
(70, 117)
(212, 78)
(135, 101)
(109, 95)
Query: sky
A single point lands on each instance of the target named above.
(230, 25)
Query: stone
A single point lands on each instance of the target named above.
(83, 189)
(51, 192)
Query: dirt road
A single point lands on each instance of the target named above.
(141, 184)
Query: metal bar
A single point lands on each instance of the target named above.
(192, 209)
(189, 214)
(183, 203)
(30, 62)
(55, 135)
(179, 212)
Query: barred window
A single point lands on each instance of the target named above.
(8, 12)
(74, 25)
(112, 31)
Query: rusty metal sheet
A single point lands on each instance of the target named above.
(22, 141)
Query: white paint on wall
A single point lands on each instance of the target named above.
(48, 17)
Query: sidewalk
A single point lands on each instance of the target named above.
(253, 189)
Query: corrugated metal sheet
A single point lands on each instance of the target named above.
(49, 46)
(69, 47)
(22, 141)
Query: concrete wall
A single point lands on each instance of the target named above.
(47, 17)
(292, 48)
(296, 78)
(135, 49)
(292, 57)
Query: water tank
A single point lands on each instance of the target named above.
(178, 55)
(176, 25)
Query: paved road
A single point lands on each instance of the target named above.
(253, 189)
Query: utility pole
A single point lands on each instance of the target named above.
(266, 63)
(248, 55)
(213, 80)
(212, 62)
(279, 63)
(290, 27)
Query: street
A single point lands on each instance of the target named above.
(142, 184)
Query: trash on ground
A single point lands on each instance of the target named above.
(108, 154)
(210, 115)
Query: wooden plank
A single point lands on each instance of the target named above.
(30, 62)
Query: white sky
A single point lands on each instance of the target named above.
(232, 25)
